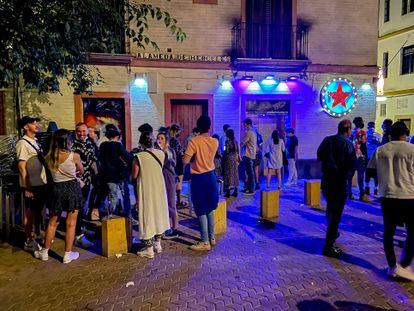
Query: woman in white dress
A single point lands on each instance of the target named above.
(152, 196)
(274, 154)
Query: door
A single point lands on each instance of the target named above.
(185, 112)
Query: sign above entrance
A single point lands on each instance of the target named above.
(338, 97)
(182, 57)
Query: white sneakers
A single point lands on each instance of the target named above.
(147, 252)
(157, 247)
(70, 256)
(398, 270)
(42, 254)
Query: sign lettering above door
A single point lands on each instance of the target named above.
(182, 57)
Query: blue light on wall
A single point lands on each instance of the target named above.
(226, 85)
(338, 97)
(140, 82)
(268, 81)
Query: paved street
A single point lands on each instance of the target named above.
(256, 265)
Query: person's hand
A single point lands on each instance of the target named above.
(28, 194)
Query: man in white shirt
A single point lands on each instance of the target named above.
(248, 147)
(394, 163)
(32, 177)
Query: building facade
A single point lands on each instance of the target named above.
(280, 62)
(396, 58)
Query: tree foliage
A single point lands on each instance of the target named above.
(42, 41)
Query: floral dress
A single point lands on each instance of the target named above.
(231, 163)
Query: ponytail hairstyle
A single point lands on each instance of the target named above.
(275, 137)
(61, 141)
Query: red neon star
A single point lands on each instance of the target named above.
(339, 97)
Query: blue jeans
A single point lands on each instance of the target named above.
(126, 199)
(113, 196)
(361, 166)
(248, 167)
(207, 226)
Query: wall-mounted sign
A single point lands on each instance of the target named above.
(338, 97)
(182, 57)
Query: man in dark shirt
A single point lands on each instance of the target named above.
(338, 162)
(292, 156)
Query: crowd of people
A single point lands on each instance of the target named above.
(77, 174)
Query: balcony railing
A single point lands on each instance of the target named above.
(252, 40)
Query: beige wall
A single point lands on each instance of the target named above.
(397, 21)
(342, 32)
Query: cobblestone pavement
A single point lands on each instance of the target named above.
(256, 265)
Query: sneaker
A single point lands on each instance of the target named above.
(244, 190)
(267, 187)
(257, 187)
(83, 242)
(70, 256)
(406, 273)
(392, 272)
(248, 192)
(213, 242)
(42, 254)
(28, 246)
(147, 252)
(134, 222)
(87, 232)
(201, 246)
(365, 199)
(170, 234)
(332, 251)
(157, 247)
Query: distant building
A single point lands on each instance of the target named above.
(396, 58)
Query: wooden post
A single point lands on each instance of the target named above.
(220, 217)
(313, 193)
(114, 236)
(269, 204)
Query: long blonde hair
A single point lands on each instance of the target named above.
(61, 141)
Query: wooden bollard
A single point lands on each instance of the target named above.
(114, 236)
(220, 217)
(269, 204)
(313, 193)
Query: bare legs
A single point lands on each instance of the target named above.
(269, 176)
(70, 229)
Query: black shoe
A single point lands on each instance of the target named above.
(332, 251)
(171, 235)
(234, 194)
(244, 190)
(367, 191)
(257, 187)
(375, 191)
(227, 194)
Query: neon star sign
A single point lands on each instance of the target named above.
(338, 97)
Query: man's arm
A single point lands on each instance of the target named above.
(189, 152)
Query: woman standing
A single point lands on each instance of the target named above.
(152, 197)
(231, 163)
(200, 152)
(274, 153)
(170, 183)
(64, 165)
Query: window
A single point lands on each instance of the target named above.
(383, 110)
(386, 10)
(385, 64)
(407, 63)
(407, 6)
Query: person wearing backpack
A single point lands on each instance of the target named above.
(32, 178)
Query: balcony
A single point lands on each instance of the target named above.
(267, 44)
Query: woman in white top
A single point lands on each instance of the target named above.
(64, 166)
(152, 196)
(274, 154)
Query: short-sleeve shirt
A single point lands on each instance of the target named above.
(86, 151)
(291, 143)
(394, 163)
(35, 169)
(201, 150)
(249, 145)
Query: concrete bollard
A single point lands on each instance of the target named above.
(313, 193)
(220, 217)
(269, 204)
(114, 236)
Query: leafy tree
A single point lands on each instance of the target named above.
(42, 41)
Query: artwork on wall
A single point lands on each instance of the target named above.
(264, 106)
(97, 112)
(338, 97)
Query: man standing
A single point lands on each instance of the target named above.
(338, 159)
(292, 156)
(248, 146)
(373, 142)
(394, 163)
(83, 146)
(32, 178)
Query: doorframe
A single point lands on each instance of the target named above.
(127, 110)
(170, 96)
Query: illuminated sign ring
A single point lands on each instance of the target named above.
(338, 97)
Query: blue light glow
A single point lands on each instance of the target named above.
(269, 81)
(282, 87)
(226, 84)
(366, 86)
(140, 82)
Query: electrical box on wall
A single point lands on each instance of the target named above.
(152, 82)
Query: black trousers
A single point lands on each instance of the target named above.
(335, 206)
(397, 212)
(79, 220)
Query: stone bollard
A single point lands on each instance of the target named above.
(114, 236)
(220, 217)
(313, 193)
(269, 204)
